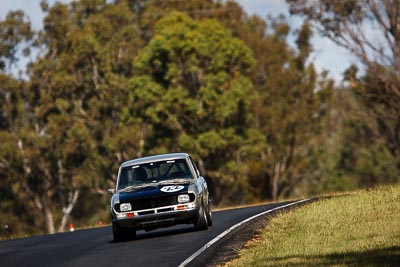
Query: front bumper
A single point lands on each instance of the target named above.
(150, 219)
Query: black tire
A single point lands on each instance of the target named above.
(117, 233)
(122, 234)
(209, 213)
(201, 221)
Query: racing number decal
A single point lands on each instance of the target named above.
(172, 188)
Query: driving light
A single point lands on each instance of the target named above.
(121, 215)
(183, 198)
(125, 207)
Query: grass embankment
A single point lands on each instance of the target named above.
(361, 229)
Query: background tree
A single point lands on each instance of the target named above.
(130, 78)
(192, 87)
(289, 109)
(15, 33)
(354, 25)
(72, 102)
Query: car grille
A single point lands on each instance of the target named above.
(152, 203)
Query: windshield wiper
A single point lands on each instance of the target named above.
(176, 181)
(133, 187)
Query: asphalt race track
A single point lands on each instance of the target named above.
(95, 247)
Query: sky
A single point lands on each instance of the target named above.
(326, 55)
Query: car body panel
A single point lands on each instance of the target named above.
(154, 202)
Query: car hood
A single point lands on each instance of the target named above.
(154, 191)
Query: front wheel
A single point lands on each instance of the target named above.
(122, 234)
(208, 214)
(201, 222)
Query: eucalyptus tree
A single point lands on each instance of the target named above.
(193, 87)
(370, 31)
(76, 90)
(289, 108)
(15, 34)
(129, 78)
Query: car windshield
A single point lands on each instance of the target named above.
(154, 172)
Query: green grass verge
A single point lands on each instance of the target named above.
(361, 229)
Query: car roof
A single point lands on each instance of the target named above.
(149, 159)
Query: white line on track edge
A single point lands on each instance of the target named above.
(220, 236)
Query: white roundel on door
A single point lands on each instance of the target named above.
(172, 188)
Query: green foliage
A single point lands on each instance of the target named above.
(377, 87)
(116, 81)
(193, 87)
(14, 31)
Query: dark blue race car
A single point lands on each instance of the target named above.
(159, 191)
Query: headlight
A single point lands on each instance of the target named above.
(125, 207)
(183, 198)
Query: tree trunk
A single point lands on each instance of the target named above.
(267, 183)
(278, 170)
(48, 215)
(142, 140)
(275, 181)
(73, 198)
(202, 168)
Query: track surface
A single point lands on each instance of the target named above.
(94, 247)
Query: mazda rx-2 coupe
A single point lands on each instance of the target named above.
(159, 191)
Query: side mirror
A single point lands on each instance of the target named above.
(111, 191)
